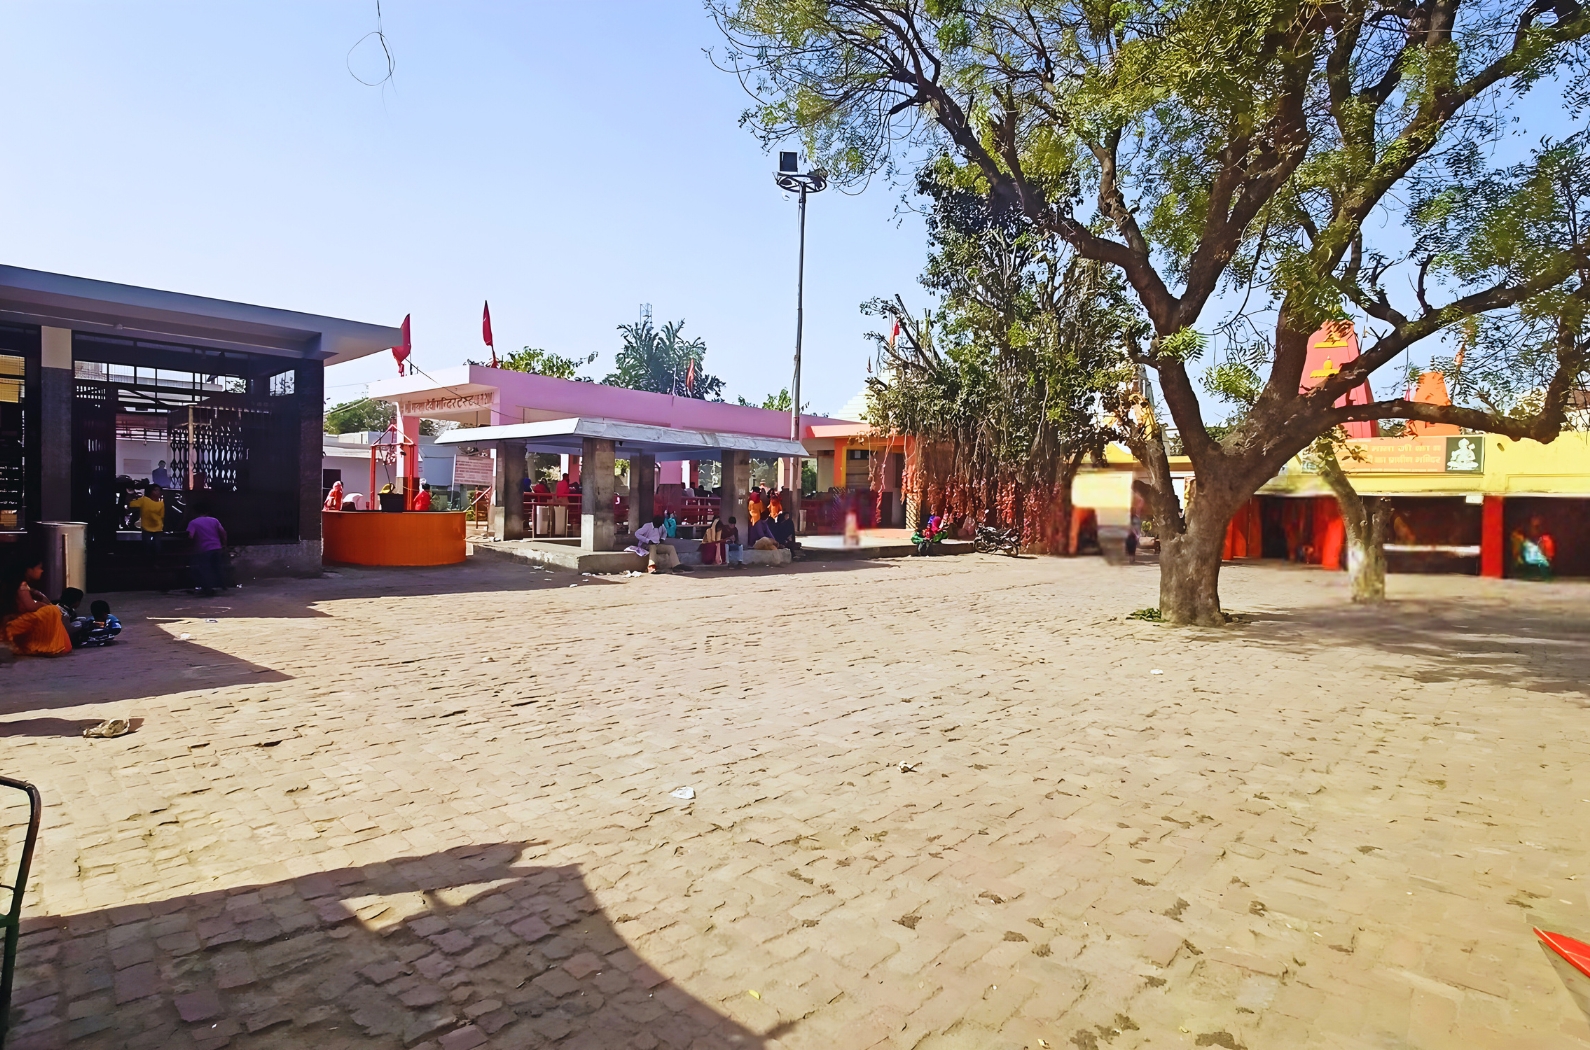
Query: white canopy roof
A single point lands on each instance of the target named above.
(666, 443)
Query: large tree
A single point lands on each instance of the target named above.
(1310, 158)
(663, 361)
(1021, 375)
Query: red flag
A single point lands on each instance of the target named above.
(894, 334)
(690, 377)
(401, 353)
(485, 333)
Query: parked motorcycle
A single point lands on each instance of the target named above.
(992, 540)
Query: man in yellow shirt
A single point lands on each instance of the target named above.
(151, 508)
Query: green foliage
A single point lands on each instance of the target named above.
(1151, 615)
(546, 363)
(660, 360)
(1025, 365)
(1183, 345)
(352, 417)
(1288, 154)
(779, 402)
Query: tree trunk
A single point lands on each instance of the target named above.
(1365, 520)
(1189, 565)
(1068, 474)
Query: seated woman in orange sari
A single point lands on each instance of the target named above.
(32, 625)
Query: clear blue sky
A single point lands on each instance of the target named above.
(567, 161)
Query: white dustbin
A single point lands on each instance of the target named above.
(65, 556)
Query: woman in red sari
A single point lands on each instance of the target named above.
(31, 624)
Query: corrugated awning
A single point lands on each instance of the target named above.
(666, 443)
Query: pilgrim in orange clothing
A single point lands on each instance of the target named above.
(33, 626)
(754, 506)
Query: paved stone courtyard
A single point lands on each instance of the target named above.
(960, 803)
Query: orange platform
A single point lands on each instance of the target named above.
(373, 537)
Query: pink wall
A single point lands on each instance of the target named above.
(548, 398)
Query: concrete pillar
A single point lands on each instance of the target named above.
(56, 395)
(736, 487)
(309, 380)
(642, 490)
(507, 517)
(1493, 539)
(409, 456)
(596, 495)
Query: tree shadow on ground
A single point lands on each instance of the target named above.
(1543, 647)
(465, 947)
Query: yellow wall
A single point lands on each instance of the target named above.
(1511, 467)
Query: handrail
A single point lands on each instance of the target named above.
(11, 920)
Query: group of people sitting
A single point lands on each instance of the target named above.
(32, 625)
(564, 487)
(720, 544)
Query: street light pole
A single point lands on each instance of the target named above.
(790, 178)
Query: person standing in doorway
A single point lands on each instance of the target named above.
(151, 508)
(209, 550)
(161, 476)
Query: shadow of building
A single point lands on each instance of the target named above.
(455, 950)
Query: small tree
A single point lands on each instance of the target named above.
(352, 417)
(1310, 158)
(664, 362)
(779, 402)
(1365, 519)
(546, 363)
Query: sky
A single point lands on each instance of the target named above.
(566, 161)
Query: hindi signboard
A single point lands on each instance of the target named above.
(1444, 454)
(473, 471)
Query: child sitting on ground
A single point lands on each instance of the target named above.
(103, 627)
(77, 627)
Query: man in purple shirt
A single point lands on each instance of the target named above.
(209, 548)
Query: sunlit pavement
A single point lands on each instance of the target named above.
(957, 802)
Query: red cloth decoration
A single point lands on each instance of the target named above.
(485, 332)
(401, 353)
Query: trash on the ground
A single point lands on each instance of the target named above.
(111, 727)
(1156, 671)
(573, 585)
(211, 621)
(183, 637)
(909, 767)
(488, 659)
(753, 993)
(684, 793)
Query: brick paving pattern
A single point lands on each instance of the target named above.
(941, 804)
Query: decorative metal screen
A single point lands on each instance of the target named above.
(13, 442)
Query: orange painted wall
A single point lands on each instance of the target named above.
(371, 537)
